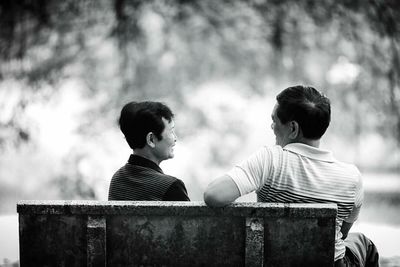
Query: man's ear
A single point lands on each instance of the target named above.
(294, 130)
(150, 138)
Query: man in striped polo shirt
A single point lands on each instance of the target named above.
(296, 170)
(149, 130)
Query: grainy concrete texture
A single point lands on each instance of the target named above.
(127, 233)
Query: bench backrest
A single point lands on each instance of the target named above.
(127, 233)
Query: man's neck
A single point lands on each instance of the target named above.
(314, 143)
(309, 142)
(145, 153)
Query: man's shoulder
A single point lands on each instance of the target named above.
(156, 175)
(350, 169)
(270, 150)
(349, 166)
(130, 170)
(168, 178)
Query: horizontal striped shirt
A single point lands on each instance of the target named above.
(299, 173)
(143, 180)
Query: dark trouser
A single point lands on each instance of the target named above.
(360, 251)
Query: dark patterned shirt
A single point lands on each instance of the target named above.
(141, 179)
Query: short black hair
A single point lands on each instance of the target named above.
(137, 119)
(308, 107)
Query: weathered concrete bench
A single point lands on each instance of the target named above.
(118, 233)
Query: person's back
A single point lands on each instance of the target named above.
(296, 170)
(140, 180)
(149, 130)
(298, 173)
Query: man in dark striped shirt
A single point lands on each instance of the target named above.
(149, 130)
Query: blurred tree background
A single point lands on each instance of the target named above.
(67, 67)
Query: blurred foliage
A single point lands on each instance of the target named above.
(165, 47)
(121, 50)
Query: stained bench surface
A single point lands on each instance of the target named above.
(134, 233)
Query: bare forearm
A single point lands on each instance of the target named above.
(221, 192)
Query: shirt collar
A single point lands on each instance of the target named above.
(310, 152)
(143, 162)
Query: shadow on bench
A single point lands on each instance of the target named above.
(119, 233)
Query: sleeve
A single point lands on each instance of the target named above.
(358, 201)
(176, 192)
(251, 174)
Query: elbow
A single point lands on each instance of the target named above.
(208, 199)
(212, 199)
(221, 192)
